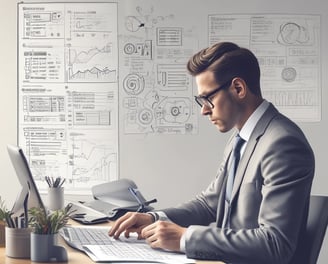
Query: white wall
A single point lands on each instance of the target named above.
(171, 168)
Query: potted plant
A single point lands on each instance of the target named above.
(13, 235)
(4, 215)
(43, 222)
(44, 237)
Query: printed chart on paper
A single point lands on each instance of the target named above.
(68, 91)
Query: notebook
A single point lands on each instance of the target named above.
(100, 247)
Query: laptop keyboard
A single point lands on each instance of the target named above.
(78, 237)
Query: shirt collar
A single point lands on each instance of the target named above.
(251, 122)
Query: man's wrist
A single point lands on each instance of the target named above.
(159, 215)
(154, 216)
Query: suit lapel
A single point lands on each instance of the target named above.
(250, 147)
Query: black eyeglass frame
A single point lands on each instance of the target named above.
(202, 100)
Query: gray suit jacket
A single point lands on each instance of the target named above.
(269, 203)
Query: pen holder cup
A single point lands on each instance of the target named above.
(55, 198)
(44, 248)
(18, 242)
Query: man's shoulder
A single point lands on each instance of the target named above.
(274, 119)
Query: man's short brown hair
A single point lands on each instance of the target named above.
(227, 61)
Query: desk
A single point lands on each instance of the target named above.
(74, 257)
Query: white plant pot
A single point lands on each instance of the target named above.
(18, 242)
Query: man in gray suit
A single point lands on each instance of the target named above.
(263, 217)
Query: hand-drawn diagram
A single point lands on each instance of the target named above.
(90, 162)
(133, 84)
(142, 50)
(288, 50)
(91, 50)
(292, 33)
(145, 19)
(68, 91)
(173, 77)
(289, 74)
(157, 95)
(81, 65)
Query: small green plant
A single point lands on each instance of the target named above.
(43, 222)
(5, 214)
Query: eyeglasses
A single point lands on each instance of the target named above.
(204, 100)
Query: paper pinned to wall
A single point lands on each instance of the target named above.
(157, 91)
(288, 49)
(68, 91)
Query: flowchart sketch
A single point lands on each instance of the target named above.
(43, 23)
(157, 91)
(68, 91)
(288, 50)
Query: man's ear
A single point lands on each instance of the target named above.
(240, 87)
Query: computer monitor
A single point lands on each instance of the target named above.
(29, 196)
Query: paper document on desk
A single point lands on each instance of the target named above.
(134, 250)
(108, 253)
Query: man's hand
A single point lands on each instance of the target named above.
(129, 223)
(165, 235)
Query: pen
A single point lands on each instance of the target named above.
(150, 201)
(81, 215)
(48, 181)
(62, 182)
(54, 183)
(10, 221)
(135, 195)
(25, 217)
(15, 222)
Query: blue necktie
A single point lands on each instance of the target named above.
(234, 164)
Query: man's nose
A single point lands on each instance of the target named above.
(205, 110)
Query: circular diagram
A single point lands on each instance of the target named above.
(129, 48)
(145, 116)
(292, 33)
(132, 23)
(175, 111)
(133, 84)
(288, 74)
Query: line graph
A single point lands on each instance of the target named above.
(76, 57)
(91, 64)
